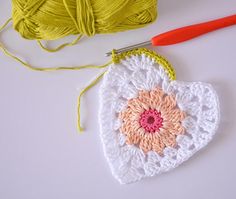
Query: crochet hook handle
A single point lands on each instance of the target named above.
(184, 33)
(192, 31)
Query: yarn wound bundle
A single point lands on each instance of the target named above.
(54, 19)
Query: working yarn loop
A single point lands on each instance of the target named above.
(54, 19)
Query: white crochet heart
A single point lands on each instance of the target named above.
(122, 82)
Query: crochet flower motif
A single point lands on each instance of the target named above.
(152, 121)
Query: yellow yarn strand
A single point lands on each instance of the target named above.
(93, 83)
(6, 52)
(5, 24)
(59, 47)
(65, 68)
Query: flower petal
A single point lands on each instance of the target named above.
(168, 103)
(175, 115)
(167, 138)
(158, 145)
(146, 143)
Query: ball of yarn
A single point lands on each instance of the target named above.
(54, 19)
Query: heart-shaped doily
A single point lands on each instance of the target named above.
(150, 122)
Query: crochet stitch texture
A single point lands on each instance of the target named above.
(149, 122)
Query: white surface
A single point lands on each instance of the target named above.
(41, 154)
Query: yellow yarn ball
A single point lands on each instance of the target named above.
(53, 19)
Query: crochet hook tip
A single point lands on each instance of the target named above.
(108, 54)
(125, 49)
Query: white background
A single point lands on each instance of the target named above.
(43, 157)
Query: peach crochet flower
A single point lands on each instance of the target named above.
(152, 121)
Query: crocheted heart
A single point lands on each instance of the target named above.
(151, 123)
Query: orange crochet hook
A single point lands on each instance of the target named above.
(183, 34)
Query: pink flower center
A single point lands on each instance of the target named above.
(151, 120)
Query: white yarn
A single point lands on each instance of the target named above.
(122, 82)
